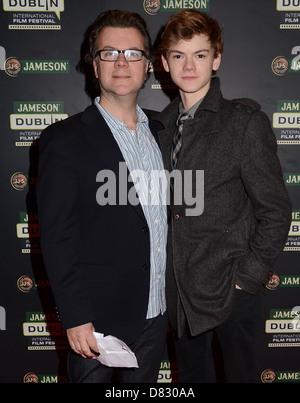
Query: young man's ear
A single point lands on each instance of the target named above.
(217, 62)
(165, 63)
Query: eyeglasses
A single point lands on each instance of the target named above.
(112, 55)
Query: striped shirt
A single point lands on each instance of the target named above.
(144, 161)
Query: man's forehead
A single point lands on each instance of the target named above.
(120, 38)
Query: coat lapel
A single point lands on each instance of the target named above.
(203, 124)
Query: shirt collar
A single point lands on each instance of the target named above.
(192, 110)
(142, 117)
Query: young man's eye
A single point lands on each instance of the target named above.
(200, 56)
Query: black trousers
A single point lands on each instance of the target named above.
(238, 348)
(149, 350)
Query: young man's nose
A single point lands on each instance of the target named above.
(189, 63)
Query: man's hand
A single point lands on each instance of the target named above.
(82, 340)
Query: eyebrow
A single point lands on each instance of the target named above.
(179, 51)
(108, 47)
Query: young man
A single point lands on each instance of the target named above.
(220, 260)
(105, 257)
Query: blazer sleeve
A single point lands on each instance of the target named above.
(58, 212)
(263, 181)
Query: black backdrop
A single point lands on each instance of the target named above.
(42, 80)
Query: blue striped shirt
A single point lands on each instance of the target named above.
(144, 161)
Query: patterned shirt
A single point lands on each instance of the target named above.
(144, 161)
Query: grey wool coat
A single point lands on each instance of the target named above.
(247, 211)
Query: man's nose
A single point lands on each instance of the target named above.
(121, 61)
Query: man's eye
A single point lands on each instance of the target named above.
(108, 54)
(132, 53)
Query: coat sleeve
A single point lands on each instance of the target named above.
(263, 181)
(58, 212)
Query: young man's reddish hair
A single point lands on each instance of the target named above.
(187, 23)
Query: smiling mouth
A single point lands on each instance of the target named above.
(117, 76)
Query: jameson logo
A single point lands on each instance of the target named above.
(287, 120)
(284, 321)
(56, 6)
(45, 66)
(287, 115)
(38, 107)
(288, 376)
(52, 379)
(28, 226)
(292, 179)
(285, 313)
(41, 324)
(168, 372)
(41, 317)
(290, 281)
(36, 115)
(188, 189)
(289, 106)
(295, 226)
(270, 376)
(176, 5)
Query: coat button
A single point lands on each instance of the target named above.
(176, 217)
(145, 229)
(145, 267)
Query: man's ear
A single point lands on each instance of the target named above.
(165, 63)
(147, 67)
(95, 68)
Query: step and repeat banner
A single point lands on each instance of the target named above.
(42, 80)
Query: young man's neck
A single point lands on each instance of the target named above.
(189, 100)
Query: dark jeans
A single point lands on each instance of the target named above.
(237, 338)
(149, 350)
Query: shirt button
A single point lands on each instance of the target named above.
(176, 217)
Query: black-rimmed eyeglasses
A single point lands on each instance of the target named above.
(112, 55)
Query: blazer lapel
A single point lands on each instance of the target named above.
(102, 141)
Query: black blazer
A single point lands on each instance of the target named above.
(97, 257)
